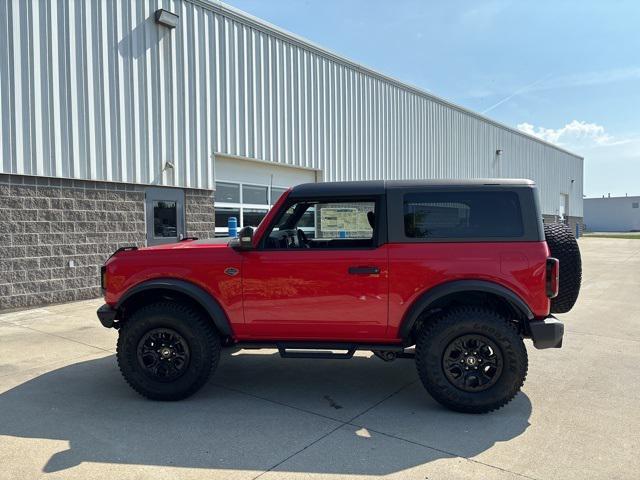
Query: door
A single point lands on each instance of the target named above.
(164, 211)
(563, 210)
(319, 276)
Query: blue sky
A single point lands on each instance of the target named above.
(567, 71)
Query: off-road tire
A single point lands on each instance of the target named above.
(564, 246)
(454, 323)
(200, 335)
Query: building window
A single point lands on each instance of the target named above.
(276, 193)
(255, 194)
(634, 205)
(222, 217)
(165, 219)
(248, 203)
(251, 217)
(227, 192)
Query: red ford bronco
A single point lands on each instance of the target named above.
(452, 273)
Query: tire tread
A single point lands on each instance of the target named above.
(564, 247)
(440, 388)
(187, 314)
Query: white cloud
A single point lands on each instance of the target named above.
(575, 134)
(612, 164)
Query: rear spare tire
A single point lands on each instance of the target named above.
(564, 247)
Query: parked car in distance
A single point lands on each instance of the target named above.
(455, 274)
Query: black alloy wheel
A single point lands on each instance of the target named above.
(471, 358)
(472, 363)
(167, 350)
(163, 354)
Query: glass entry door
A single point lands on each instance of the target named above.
(164, 211)
(564, 208)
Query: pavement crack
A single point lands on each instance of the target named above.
(383, 400)
(439, 450)
(64, 338)
(301, 450)
(342, 423)
(353, 423)
(48, 364)
(276, 402)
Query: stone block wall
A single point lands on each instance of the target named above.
(56, 233)
(571, 222)
(199, 213)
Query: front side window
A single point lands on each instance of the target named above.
(442, 215)
(325, 225)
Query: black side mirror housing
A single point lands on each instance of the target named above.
(244, 240)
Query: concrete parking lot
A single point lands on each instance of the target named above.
(65, 412)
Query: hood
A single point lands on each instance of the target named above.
(187, 244)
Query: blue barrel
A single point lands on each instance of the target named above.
(232, 223)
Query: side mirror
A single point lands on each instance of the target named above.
(244, 240)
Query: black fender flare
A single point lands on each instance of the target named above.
(458, 286)
(196, 293)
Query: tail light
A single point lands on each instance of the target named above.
(553, 277)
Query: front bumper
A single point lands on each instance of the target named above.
(546, 333)
(107, 316)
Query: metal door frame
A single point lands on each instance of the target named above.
(564, 203)
(153, 194)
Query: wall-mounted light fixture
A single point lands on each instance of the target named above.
(167, 166)
(166, 18)
(499, 152)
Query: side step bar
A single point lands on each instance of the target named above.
(328, 350)
(314, 353)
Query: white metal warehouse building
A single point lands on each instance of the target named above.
(612, 214)
(112, 123)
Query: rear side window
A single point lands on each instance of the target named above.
(477, 215)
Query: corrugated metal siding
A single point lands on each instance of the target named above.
(97, 90)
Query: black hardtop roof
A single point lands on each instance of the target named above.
(378, 187)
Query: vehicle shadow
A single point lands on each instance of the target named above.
(229, 425)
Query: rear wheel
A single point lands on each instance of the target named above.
(471, 359)
(166, 350)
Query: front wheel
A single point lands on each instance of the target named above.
(166, 350)
(471, 359)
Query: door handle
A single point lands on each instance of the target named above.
(364, 270)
